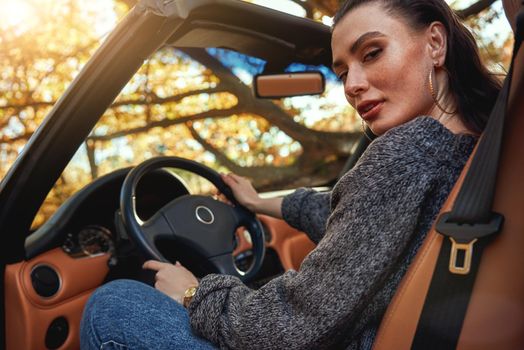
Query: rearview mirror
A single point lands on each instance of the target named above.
(289, 84)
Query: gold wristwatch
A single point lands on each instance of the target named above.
(188, 295)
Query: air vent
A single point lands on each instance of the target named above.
(57, 333)
(45, 280)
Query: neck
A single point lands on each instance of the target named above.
(446, 109)
(453, 122)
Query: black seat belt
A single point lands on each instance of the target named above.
(468, 229)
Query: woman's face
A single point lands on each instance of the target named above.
(384, 65)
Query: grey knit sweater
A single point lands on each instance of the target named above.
(368, 230)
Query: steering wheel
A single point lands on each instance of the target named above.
(202, 223)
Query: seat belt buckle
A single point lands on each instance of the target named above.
(463, 236)
(454, 265)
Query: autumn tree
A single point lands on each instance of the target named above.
(189, 103)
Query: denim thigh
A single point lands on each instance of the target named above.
(127, 314)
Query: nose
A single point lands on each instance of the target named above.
(356, 83)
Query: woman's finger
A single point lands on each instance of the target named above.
(153, 265)
(227, 179)
(236, 177)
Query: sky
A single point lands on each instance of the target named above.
(498, 29)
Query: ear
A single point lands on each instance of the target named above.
(437, 43)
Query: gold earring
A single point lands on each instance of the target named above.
(434, 94)
(366, 131)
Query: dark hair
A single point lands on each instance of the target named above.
(474, 88)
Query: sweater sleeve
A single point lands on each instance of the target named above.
(307, 210)
(376, 208)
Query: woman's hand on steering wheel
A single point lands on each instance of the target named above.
(243, 191)
(246, 195)
(172, 280)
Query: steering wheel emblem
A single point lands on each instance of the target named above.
(204, 215)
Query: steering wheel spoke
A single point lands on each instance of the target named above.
(157, 227)
(226, 265)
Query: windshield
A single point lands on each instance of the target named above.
(198, 104)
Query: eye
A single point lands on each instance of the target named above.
(372, 55)
(342, 76)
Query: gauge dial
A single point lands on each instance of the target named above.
(94, 240)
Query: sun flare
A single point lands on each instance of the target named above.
(16, 14)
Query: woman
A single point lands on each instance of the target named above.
(414, 74)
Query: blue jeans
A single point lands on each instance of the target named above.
(127, 314)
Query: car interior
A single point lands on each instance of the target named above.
(87, 242)
(101, 233)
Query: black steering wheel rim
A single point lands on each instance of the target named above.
(135, 225)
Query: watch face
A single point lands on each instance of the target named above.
(188, 295)
(190, 292)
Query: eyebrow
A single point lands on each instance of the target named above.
(363, 38)
(359, 42)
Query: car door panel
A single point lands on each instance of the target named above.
(28, 315)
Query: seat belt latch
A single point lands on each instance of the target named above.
(463, 236)
(454, 265)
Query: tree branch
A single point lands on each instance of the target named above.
(155, 100)
(258, 174)
(317, 172)
(474, 9)
(220, 156)
(90, 149)
(215, 113)
(24, 136)
(306, 6)
(328, 7)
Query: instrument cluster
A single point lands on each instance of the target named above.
(90, 240)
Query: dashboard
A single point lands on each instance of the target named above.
(87, 224)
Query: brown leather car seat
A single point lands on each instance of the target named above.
(495, 314)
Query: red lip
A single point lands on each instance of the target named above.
(369, 109)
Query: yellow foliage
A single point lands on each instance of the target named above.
(41, 55)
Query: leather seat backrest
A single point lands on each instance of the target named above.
(495, 315)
